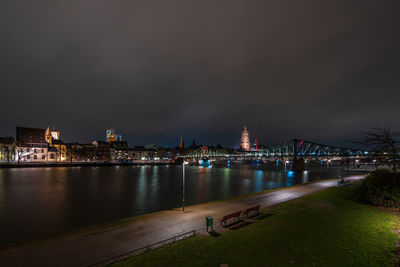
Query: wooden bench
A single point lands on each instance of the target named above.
(251, 212)
(234, 217)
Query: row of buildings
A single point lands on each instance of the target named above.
(45, 145)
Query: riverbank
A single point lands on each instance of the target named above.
(327, 228)
(84, 249)
(115, 224)
(82, 164)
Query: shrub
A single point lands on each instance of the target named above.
(381, 188)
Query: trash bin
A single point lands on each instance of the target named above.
(209, 222)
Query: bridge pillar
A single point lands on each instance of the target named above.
(299, 164)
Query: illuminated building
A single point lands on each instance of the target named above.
(181, 144)
(245, 140)
(55, 145)
(7, 149)
(61, 149)
(31, 145)
(51, 135)
(121, 152)
(147, 152)
(111, 136)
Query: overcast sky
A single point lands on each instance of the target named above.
(156, 70)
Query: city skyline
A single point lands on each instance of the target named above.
(313, 70)
(211, 133)
(112, 134)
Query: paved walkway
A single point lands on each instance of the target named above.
(89, 249)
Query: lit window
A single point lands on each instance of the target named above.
(34, 157)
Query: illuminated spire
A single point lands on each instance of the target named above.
(181, 144)
(245, 140)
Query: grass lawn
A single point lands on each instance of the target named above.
(328, 228)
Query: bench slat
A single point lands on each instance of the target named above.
(230, 216)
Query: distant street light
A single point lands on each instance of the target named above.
(286, 162)
(183, 185)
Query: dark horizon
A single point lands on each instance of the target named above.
(350, 143)
(156, 71)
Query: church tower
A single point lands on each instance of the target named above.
(245, 140)
(181, 144)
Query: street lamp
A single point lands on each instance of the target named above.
(286, 162)
(183, 184)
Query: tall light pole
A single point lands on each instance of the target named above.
(183, 185)
(286, 162)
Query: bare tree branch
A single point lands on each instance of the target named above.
(382, 139)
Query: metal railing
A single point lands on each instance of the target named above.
(144, 249)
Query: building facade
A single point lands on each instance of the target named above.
(103, 151)
(129, 154)
(31, 146)
(51, 135)
(112, 136)
(7, 149)
(30, 136)
(80, 152)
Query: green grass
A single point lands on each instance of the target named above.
(328, 228)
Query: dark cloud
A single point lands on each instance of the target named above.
(156, 70)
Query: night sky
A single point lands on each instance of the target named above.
(156, 70)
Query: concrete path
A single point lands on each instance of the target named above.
(89, 249)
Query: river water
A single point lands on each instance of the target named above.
(38, 202)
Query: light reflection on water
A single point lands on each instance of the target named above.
(53, 200)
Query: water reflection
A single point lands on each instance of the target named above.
(52, 200)
(258, 185)
(141, 188)
(225, 183)
(305, 177)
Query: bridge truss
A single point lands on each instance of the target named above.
(292, 148)
(302, 148)
(208, 152)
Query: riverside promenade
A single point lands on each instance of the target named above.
(86, 249)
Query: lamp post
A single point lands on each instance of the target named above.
(183, 185)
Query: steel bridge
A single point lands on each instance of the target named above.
(303, 148)
(208, 152)
(292, 148)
